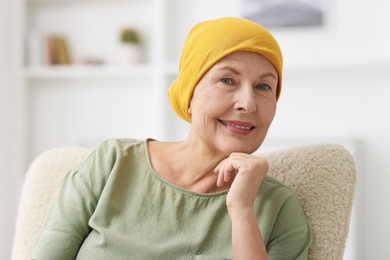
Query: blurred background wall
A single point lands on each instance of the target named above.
(10, 180)
(336, 89)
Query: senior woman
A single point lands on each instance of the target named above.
(205, 197)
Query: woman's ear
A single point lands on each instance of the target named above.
(189, 110)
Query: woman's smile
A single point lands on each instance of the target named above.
(238, 127)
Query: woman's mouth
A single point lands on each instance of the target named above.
(238, 126)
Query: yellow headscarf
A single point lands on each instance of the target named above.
(210, 41)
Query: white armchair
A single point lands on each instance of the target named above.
(323, 176)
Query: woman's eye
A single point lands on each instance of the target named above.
(226, 81)
(263, 87)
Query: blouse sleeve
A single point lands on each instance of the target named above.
(292, 233)
(67, 224)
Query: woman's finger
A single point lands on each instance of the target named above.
(226, 171)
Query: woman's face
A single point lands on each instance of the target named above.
(234, 103)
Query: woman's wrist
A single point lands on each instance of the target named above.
(241, 212)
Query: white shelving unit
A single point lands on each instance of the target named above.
(79, 104)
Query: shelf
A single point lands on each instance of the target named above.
(88, 71)
(64, 1)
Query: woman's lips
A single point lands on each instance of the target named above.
(239, 127)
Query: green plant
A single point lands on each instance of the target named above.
(130, 35)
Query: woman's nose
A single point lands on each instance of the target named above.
(245, 100)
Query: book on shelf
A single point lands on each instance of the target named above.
(57, 50)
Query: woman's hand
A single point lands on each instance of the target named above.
(246, 172)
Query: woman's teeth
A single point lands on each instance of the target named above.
(237, 126)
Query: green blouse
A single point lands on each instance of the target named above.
(115, 206)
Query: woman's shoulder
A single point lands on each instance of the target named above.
(276, 188)
(274, 195)
(118, 146)
(119, 143)
(103, 158)
(272, 180)
(109, 151)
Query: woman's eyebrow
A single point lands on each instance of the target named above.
(230, 69)
(265, 75)
(269, 74)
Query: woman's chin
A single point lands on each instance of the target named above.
(229, 148)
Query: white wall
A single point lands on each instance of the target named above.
(10, 182)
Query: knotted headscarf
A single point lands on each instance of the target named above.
(210, 41)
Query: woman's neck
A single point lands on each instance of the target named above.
(186, 164)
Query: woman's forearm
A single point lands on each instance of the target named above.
(247, 241)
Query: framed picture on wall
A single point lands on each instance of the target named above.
(285, 13)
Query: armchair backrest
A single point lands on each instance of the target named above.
(324, 178)
(43, 179)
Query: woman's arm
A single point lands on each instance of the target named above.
(67, 224)
(247, 241)
(247, 172)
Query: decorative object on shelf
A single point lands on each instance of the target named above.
(286, 13)
(130, 46)
(92, 61)
(57, 50)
